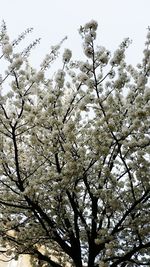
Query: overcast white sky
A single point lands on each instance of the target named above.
(53, 19)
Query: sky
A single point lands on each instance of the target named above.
(54, 19)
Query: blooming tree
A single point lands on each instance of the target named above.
(74, 155)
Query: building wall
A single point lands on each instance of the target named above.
(23, 261)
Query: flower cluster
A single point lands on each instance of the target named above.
(7, 49)
(88, 33)
(60, 78)
(102, 55)
(91, 25)
(39, 76)
(17, 62)
(67, 55)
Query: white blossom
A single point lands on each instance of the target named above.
(67, 55)
(82, 77)
(91, 25)
(74, 155)
(60, 78)
(39, 76)
(7, 49)
(88, 51)
(17, 62)
(118, 57)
